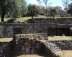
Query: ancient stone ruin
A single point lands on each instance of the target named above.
(31, 37)
(26, 45)
(35, 45)
(52, 27)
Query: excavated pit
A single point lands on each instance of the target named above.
(26, 46)
(36, 46)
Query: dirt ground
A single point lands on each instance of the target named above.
(55, 38)
(65, 53)
(30, 56)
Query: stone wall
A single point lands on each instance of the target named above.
(25, 46)
(9, 29)
(5, 49)
(1, 31)
(64, 45)
(51, 20)
(6, 31)
(29, 46)
(36, 36)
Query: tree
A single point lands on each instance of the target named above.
(39, 1)
(8, 7)
(66, 3)
(23, 8)
(58, 10)
(45, 1)
(70, 9)
(53, 12)
(5, 6)
(32, 10)
(46, 11)
(40, 8)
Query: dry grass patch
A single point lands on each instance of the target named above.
(67, 53)
(29, 56)
(54, 38)
(6, 39)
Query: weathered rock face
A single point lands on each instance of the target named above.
(5, 49)
(53, 48)
(51, 20)
(19, 46)
(27, 46)
(29, 43)
(36, 46)
(49, 26)
(63, 45)
(36, 36)
(8, 29)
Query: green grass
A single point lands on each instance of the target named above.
(22, 19)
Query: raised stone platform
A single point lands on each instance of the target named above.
(36, 36)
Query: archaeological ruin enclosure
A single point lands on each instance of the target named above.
(31, 37)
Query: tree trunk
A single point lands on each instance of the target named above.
(32, 17)
(2, 18)
(2, 15)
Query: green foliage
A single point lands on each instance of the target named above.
(7, 7)
(70, 9)
(53, 12)
(41, 10)
(32, 10)
(21, 8)
(65, 3)
(12, 8)
(58, 10)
